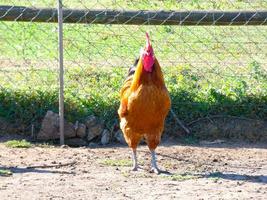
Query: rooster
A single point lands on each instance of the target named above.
(144, 105)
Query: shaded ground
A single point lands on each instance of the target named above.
(221, 171)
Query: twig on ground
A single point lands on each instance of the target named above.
(50, 166)
(178, 121)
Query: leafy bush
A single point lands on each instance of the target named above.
(96, 91)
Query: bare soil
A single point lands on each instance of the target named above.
(207, 171)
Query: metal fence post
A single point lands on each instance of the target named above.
(61, 72)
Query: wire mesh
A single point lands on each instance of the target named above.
(209, 70)
(28, 70)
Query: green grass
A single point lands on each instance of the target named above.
(182, 177)
(208, 70)
(96, 91)
(5, 172)
(18, 144)
(117, 162)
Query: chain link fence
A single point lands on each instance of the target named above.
(210, 70)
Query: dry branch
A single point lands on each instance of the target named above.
(50, 166)
(179, 122)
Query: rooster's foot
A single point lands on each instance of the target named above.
(137, 168)
(155, 170)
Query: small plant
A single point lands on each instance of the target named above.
(126, 174)
(5, 172)
(18, 144)
(117, 163)
(182, 177)
(257, 71)
(214, 179)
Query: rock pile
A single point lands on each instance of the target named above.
(92, 131)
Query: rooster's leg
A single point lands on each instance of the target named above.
(154, 166)
(134, 157)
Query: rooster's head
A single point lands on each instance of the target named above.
(147, 55)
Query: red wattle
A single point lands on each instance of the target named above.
(148, 62)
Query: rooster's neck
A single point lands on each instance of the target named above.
(142, 77)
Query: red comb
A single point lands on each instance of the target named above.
(148, 55)
(147, 40)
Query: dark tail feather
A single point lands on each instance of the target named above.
(133, 68)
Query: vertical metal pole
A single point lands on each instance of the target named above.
(61, 72)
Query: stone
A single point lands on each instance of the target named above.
(75, 142)
(93, 145)
(81, 130)
(50, 128)
(94, 127)
(94, 131)
(69, 131)
(91, 121)
(105, 138)
(119, 137)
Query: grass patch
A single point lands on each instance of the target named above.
(5, 172)
(117, 163)
(126, 174)
(18, 144)
(182, 177)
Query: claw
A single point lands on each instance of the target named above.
(135, 168)
(154, 167)
(155, 170)
(134, 158)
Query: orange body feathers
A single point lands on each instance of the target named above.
(145, 103)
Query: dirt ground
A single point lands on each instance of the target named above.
(205, 171)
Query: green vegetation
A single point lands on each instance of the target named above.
(5, 172)
(96, 91)
(182, 177)
(18, 144)
(208, 70)
(117, 163)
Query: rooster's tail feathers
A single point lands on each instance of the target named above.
(132, 69)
